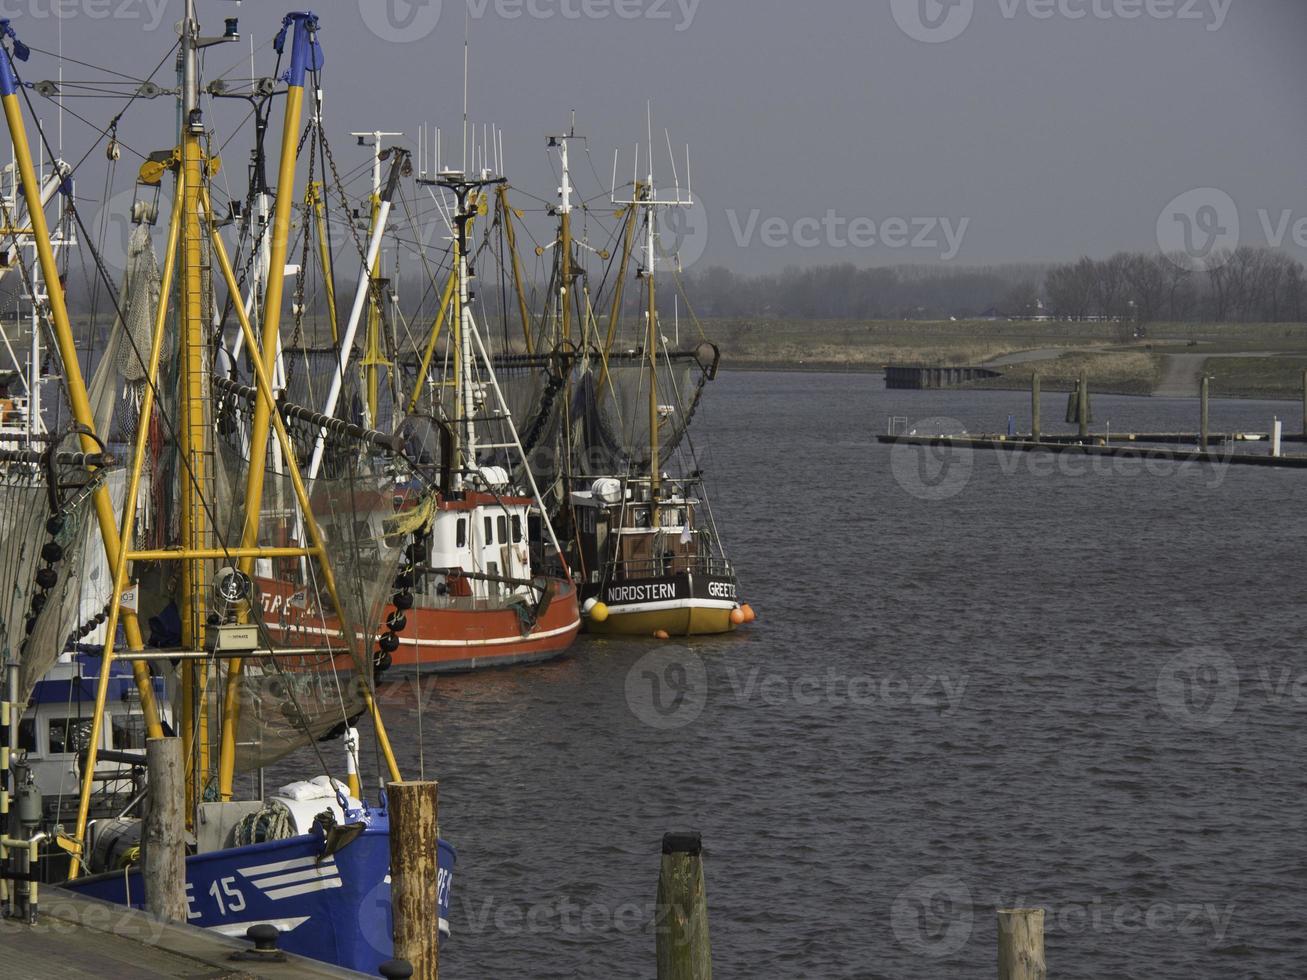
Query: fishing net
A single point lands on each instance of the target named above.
(117, 390)
(119, 379)
(358, 504)
(44, 505)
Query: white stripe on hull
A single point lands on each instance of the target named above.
(500, 641)
(313, 886)
(621, 608)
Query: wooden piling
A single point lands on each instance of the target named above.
(414, 870)
(1021, 945)
(1035, 407)
(681, 925)
(1084, 407)
(1205, 431)
(164, 832)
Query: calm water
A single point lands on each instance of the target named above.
(976, 683)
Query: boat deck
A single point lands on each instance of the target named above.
(78, 937)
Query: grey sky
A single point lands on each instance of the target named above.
(1033, 135)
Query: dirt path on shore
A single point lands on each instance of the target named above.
(1182, 376)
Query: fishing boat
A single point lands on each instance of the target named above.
(648, 555)
(486, 585)
(486, 591)
(211, 494)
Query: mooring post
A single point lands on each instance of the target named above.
(1084, 407)
(1304, 403)
(681, 922)
(1205, 430)
(164, 832)
(1035, 405)
(414, 808)
(1021, 944)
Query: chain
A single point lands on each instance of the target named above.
(298, 334)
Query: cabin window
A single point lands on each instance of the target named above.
(502, 521)
(129, 732)
(27, 734)
(517, 529)
(69, 735)
(461, 534)
(490, 531)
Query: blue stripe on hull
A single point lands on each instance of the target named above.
(335, 909)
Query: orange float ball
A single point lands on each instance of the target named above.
(737, 617)
(662, 635)
(749, 614)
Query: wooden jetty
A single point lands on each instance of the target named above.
(77, 937)
(925, 377)
(1184, 447)
(1100, 446)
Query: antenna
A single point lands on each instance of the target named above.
(467, 48)
(676, 180)
(650, 200)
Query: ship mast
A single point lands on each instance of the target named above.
(373, 359)
(565, 192)
(193, 389)
(646, 199)
(466, 192)
(651, 344)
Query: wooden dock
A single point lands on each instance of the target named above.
(76, 937)
(1119, 446)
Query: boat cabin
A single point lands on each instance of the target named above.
(622, 529)
(480, 544)
(56, 727)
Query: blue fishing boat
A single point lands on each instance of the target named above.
(331, 905)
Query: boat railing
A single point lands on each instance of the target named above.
(672, 565)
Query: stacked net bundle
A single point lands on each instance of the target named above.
(43, 551)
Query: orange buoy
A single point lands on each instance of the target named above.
(737, 617)
(662, 635)
(749, 614)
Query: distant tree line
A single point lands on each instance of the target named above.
(1246, 285)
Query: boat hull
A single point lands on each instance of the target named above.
(449, 640)
(334, 908)
(460, 637)
(678, 605)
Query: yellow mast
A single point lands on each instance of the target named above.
(619, 286)
(79, 399)
(449, 296)
(193, 386)
(437, 327)
(266, 419)
(507, 214)
(313, 197)
(62, 328)
(301, 55)
(317, 547)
